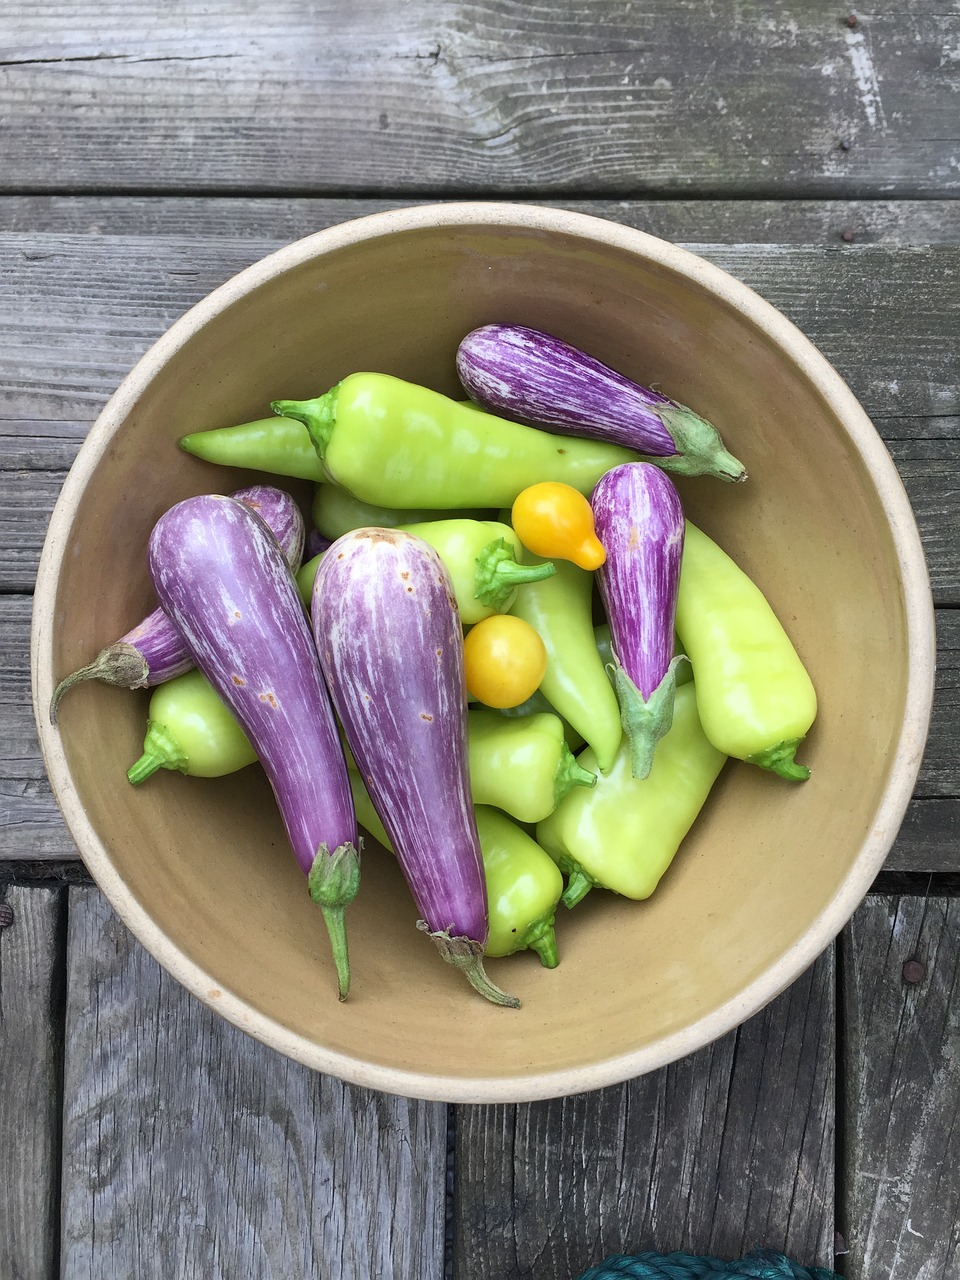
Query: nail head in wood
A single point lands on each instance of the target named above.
(914, 971)
(851, 21)
(6, 915)
(847, 236)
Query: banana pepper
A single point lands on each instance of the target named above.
(394, 443)
(624, 834)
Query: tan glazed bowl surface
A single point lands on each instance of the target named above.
(200, 869)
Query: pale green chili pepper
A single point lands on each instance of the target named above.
(560, 610)
(336, 512)
(624, 834)
(756, 700)
(522, 765)
(191, 729)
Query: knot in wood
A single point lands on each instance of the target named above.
(914, 971)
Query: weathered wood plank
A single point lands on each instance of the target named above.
(31, 826)
(192, 1151)
(901, 1191)
(727, 1149)
(31, 1049)
(895, 223)
(449, 96)
(883, 316)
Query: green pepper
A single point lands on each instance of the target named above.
(191, 729)
(523, 884)
(756, 700)
(280, 446)
(523, 766)
(336, 512)
(560, 610)
(523, 889)
(482, 558)
(624, 834)
(536, 705)
(391, 442)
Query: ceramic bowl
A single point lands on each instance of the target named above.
(200, 870)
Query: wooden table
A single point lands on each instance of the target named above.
(148, 152)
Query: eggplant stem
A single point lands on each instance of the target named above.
(333, 881)
(646, 720)
(466, 954)
(779, 759)
(119, 664)
(700, 451)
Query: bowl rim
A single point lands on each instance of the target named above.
(918, 609)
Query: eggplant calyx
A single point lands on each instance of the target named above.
(779, 759)
(700, 451)
(499, 573)
(119, 664)
(333, 882)
(317, 415)
(646, 720)
(160, 751)
(466, 954)
(541, 938)
(570, 774)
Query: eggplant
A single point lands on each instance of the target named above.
(153, 651)
(530, 375)
(388, 634)
(222, 579)
(639, 521)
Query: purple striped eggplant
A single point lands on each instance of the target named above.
(388, 633)
(221, 577)
(639, 521)
(526, 374)
(153, 651)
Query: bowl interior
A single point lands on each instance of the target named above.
(201, 868)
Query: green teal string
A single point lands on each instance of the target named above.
(762, 1264)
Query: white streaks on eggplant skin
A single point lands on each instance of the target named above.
(220, 575)
(390, 643)
(639, 521)
(532, 375)
(158, 641)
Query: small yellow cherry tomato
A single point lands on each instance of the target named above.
(554, 520)
(504, 661)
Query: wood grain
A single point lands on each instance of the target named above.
(190, 1150)
(901, 1197)
(882, 315)
(896, 223)
(598, 96)
(728, 1149)
(31, 1060)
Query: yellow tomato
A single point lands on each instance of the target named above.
(556, 521)
(504, 660)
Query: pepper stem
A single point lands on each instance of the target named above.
(317, 415)
(579, 883)
(333, 882)
(120, 664)
(499, 574)
(646, 720)
(779, 760)
(570, 774)
(700, 451)
(540, 937)
(466, 954)
(160, 751)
